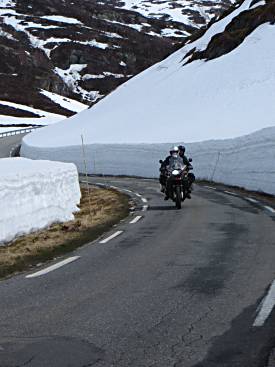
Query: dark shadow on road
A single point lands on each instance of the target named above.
(160, 207)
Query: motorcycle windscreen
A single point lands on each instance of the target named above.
(176, 163)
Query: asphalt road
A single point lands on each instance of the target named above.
(8, 143)
(176, 288)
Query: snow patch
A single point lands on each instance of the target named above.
(6, 3)
(7, 35)
(157, 9)
(46, 118)
(65, 102)
(59, 18)
(71, 77)
(104, 75)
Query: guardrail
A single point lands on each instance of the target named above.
(19, 131)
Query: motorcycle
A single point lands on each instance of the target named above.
(177, 180)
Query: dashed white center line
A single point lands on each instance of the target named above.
(111, 237)
(269, 208)
(53, 267)
(144, 200)
(127, 190)
(144, 208)
(266, 307)
(136, 219)
(254, 201)
(137, 194)
(210, 187)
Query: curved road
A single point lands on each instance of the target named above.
(173, 289)
(9, 143)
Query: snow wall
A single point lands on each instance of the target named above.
(35, 194)
(247, 161)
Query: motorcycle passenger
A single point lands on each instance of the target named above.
(191, 176)
(181, 149)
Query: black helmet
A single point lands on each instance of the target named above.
(181, 149)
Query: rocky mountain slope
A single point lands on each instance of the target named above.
(218, 86)
(85, 49)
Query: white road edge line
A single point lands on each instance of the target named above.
(269, 208)
(144, 208)
(136, 219)
(111, 237)
(267, 306)
(144, 200)
(230, 193)
(252, 200)
(53, 267)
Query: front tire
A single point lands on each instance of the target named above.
(178, 197)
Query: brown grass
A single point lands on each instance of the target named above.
(107, 208)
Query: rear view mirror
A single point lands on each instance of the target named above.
(160, 161)
(190, 160)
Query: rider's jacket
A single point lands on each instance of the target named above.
(185, 160)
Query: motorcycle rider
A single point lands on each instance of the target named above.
(174, 152)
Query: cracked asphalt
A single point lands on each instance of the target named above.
(180, 288)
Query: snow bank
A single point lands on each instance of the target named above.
(222, 99)
(246, 162)
(35, 194)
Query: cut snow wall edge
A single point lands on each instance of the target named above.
(246, 161)
(35, 195)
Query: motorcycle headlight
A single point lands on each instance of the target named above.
(175, 172)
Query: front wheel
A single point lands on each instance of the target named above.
(178, 197)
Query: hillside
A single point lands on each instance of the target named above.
(85, 49)
(192, 95)
(220, 104)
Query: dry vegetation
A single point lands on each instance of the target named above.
(98, 211)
